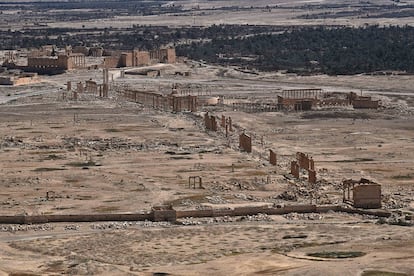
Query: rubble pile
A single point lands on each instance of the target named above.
(191, 221)
(225, 219)
(216, 199)
(147, 223)
(202, 207)
(9, 203)
(246, 197)
(19, 181)
(397, 218)
(395, 201)
(288, 196)
(297, 216)
(258, 217)
(400, 106)
(100, 144)
(116, 143)
(11, 142)
(242, 185)
(296, 193)
(125, 225)
(72, 227)
(111, 225)
(20, 228)
(215, 186)
(188, 202)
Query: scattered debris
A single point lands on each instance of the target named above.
(26, 227)
(297, 216)
(224, 219)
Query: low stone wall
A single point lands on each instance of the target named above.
(195, 213)
(172, 215)
(373, 212)
(73, 218)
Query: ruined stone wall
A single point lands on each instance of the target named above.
(141, 58)
(272, 158)
(294, 169)
(74, 61)
(362, 101)
(297, 104)
(195, 213)
(62, 62)
(160, 214)
(43, 62)
(125, 60)
(111, 62)
(164, 215)
(6, 81)
(74, 218)
(365, 103)
(17, 80)
(210, 122)
(166, 55)
(312, 176)
(96, 51)
(81, 50)
(39, 53)
(171, 56)
(134, 58)
(159, 101)
(256, 107)
(245, 143)
(91, 87)
(252, 210)
(367, 196)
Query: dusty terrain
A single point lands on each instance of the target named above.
(97, 156)
(206, 13)
(110, 155)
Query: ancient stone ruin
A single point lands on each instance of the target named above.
(362, 193)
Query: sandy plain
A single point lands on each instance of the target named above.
(110, 155)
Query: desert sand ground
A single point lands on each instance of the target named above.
(206, 13)
(110, 155)
(100, 156)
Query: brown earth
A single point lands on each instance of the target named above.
(109, 155)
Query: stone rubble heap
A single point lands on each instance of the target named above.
(397, 218)
(297, 216)
(224, 219)
(215, 199)
(125, 225)
(72, 227)
(397, 200)
(12, 228)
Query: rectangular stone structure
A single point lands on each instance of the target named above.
(213, 123)
(311, 176)
(367, 196)
(294, 169)
(223, 121)
(164, 213)
(210, 122)
(272, 158)
(245, 143)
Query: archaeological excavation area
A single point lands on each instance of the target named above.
(205, 170)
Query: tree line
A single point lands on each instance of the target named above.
(333, 51)
(305, 50)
